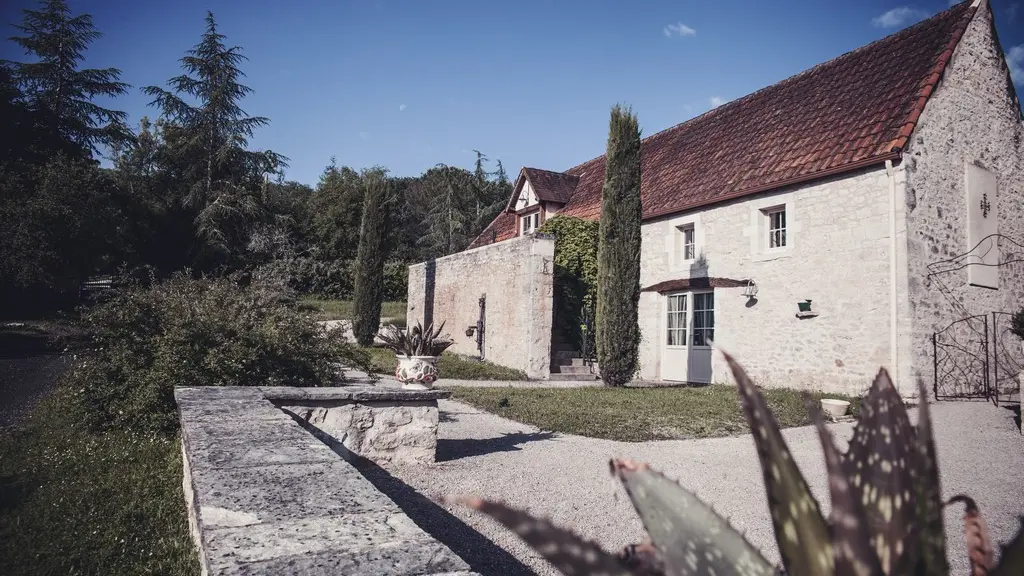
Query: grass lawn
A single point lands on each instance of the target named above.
(449, 366)
(636, 414)
(74, 502)
(342, 309)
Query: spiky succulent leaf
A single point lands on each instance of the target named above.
(570, 554)
(690, 537)
(800, 529)
(979, 544)
(1011, 558)
(880, 463)
(929, 496)
(851, 544)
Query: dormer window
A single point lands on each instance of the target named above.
(530, 222)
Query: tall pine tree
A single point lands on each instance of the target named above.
(369, 272)
(60, 94)
(222, 178)
(618, 264)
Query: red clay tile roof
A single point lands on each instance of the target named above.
(697, 282)
(855, 110)
(552, 186)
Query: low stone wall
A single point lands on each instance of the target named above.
(265, 496)
(516, 279)
(382, 424)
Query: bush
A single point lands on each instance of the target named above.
(575, 278)
(332, 279)
(396, 281)
(1017, 324)
(188, 332)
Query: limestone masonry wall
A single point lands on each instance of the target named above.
(837, 255)
(516, 278)
(970, 119)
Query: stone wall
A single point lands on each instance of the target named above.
(383, 431)
(515, 276)
(837, 255)
(970, 119)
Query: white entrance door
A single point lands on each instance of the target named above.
(689, 331)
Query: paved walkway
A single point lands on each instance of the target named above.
(566, 478)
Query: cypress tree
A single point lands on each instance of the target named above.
(618, 264)
(369, 272)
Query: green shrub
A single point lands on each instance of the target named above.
(575, 278)
(187, 332)
(396, 281)
(1017, 324)
(618, 260)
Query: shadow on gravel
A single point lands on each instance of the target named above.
(481, 554)
(448, 450)
(1015, 409)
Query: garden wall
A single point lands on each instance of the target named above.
(515, 278)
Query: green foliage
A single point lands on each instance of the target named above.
(576, 243)
(186, 332)
(369, 268)
(886, 510)
(618, 268)
(77, 502)
(56, 90)
(219, 179)
(336, 209)
(417, 340)
(1017, 324)
(60, 226)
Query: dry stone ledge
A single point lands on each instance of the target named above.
(265, 496)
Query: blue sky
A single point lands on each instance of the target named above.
(408, 84)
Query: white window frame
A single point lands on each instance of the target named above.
(760, 224)
(675, 242)
(681, 315)
(777, 231)
(707, 331)
(529, 223)
(688, 242)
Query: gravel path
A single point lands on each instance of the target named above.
(566, 478)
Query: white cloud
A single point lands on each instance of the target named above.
(678, 29)
(402, 107)
(716, 101)
(364, 135)
(898, 17)
(1015, 60)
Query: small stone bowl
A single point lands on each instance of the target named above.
(835, 408)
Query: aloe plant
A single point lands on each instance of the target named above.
(417, 341)
(885, 519)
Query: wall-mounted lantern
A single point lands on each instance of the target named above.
(750, 290)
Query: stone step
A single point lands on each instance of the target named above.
(574, 361)
(564, 377)
(558, 354)
(570, 370)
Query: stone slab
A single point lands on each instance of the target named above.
(265, 496)
(283, 492)
(351, 394)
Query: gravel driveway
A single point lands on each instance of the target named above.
(566, 478)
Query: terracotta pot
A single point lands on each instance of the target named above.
(416, 372)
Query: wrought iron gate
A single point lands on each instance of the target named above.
(961, 358)
(1007, 359)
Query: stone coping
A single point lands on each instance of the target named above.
(350, 393)
(265, 496)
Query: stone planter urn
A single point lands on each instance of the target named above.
(416, 372)
(834, 407)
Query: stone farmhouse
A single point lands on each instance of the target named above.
(818, 229)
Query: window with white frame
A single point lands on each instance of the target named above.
(530, 222)
(676, 335)
(703, 318)
(776, 220)
(687, 240)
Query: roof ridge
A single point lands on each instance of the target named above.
(966, 5)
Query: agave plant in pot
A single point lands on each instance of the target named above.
(417, 350)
